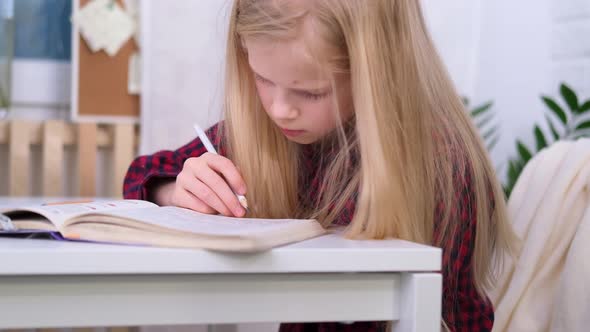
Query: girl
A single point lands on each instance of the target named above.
(341, 110)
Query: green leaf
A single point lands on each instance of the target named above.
(552, 128)
(524, 152)
(519, 167)
(515, 167)
(583, 125)
(585, 107)
(558, 111)
(570, 97)
(512, 172)
(492, 143)
(481, 123)
(465, 101)
(481, 109)
(3, 99)
(581, 134)
(507, 191)
(540, 138)
(492, 132)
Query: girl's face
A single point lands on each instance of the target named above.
(295, 92)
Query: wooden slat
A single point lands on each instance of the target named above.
(80, 329)
(3, 132)
(87, 151)
(19, 158)
(70, 135)
(122, 155)
(53, 137)
(53, 158)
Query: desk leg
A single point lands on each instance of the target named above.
(420, 303)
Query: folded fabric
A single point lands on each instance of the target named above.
(546, 286)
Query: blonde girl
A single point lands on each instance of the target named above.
(341, 110)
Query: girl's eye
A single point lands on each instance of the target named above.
(313, 96)
(304, 94)
(262, 80)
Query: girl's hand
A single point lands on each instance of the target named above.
(208, 184)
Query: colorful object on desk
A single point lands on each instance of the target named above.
(6, 223)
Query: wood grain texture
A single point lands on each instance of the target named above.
(19, 158)
(53, 158)
(123, 153)
(87, 158)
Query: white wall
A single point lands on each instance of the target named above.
(455, 28)
(514, 66)
(527, 48)
(571, 44)
(183, 48)
(511, 53)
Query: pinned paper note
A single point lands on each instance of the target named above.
(132, 8)
(103, 24)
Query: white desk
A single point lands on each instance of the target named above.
(45, 283)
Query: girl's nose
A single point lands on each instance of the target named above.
(282, 110)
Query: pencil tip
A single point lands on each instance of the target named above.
(243, 202)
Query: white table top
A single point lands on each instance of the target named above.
(118, 285)
(329, 253)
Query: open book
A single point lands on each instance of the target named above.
(143, 223)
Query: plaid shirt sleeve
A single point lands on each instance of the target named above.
(463, 309)
(144, 170)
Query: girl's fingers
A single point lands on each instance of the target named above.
(218, 185)
(228, 170)
(187, 200)
(207, 196)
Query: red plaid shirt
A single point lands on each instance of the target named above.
(463, 309)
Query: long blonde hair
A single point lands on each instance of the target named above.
(411, 134)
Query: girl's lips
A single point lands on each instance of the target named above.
(292, 133)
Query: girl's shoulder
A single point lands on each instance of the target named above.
(216, 134)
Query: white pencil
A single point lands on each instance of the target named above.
(211, 149)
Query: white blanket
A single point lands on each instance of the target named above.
(548, 287)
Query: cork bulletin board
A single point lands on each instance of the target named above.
(100, 82)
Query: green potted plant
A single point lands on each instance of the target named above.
(3, 99)
(484, 117)
(573, 121)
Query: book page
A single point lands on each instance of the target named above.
(60, 212)
(185, 220)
